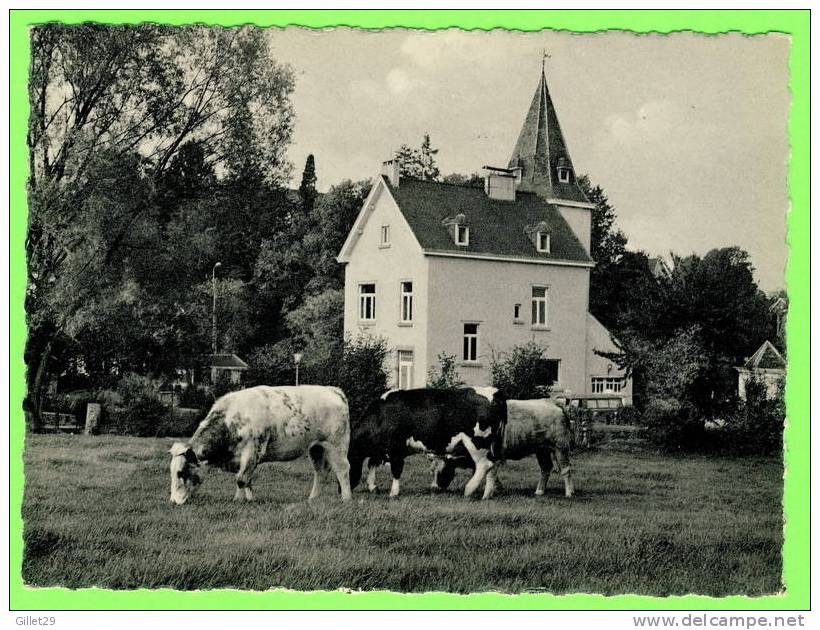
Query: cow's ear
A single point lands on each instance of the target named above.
(191, 457)
(178, 448)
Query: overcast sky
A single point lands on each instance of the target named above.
(686, 133)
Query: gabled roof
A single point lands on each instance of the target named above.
(226, 361)
(766, 357)
(541, 149)
(496, 227)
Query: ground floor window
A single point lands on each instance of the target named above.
(601, 384)
(405, 369)
(470, 349)
(548, 371)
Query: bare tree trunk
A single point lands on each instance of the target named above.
(34, 406)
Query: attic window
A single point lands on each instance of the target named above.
(563, 174)
(539, 235)
(542, 242)
(385, 236)
(462, 235)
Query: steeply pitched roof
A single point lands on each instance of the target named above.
(541, 148)
(496, 227)
(226, 361)
(766, 357)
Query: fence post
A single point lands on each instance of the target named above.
(92, 418)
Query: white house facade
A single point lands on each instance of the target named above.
(442, 268)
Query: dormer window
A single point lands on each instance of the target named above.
(458, 229)
(385, 238)
(563, 171)
(462, 235)
(542, 242)
(539, 235)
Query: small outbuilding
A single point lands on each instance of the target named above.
(226, 364)
(766, 365)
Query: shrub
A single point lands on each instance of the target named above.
(361, 372)
(181, 422)
(445, 374)
(272, 364)
(141, 418)
(109, 399)
(673, 424)
(133, 407)
(223, 385)
(628, 415)
(136, 387)
(519, 372)
(756, 426)
(194, 397)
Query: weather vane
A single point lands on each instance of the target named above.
(544, 57)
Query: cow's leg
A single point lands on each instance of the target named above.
(372, 467)
(545, 464)
(396, 469)
(337, 458)
(317, 458)
(489, 487)
(244, 477)
(440, 470)
(562, 457)
(482, 463)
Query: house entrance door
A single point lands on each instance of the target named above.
(405, 369)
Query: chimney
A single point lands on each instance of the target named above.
(499, 183)
(390, 169)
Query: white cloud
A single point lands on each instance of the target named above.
(398, 81)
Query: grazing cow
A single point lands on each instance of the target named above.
(538, 427)
(265, 424)
(425, 421)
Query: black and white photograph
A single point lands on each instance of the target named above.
(400, 310)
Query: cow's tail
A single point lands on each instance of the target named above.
(567, 422)
(499, 411)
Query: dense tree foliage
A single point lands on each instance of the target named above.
(128, 127)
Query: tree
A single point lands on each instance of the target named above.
(109, 93)
(307, 189)
(607, 246)
(474, 181)
(419, 163)
(718, 292)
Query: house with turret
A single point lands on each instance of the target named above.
(442, 268)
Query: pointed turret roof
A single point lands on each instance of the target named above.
(541, 149)
(766, 357)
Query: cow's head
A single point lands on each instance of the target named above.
(184, 477)
(489, 429)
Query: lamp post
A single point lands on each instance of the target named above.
(213, 309)
(297, 359)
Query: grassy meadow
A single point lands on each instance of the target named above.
(96, 513)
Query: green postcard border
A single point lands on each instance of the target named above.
(796, 492)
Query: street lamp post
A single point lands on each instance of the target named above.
(213, 309)
(297, 359)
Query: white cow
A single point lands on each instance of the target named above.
(265, 424)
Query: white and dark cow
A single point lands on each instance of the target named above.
(405, 422)
(534, 427)
(265, 424)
